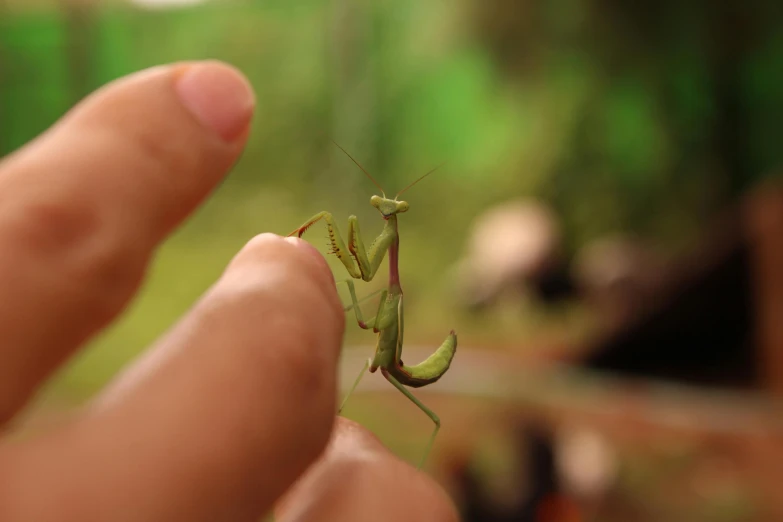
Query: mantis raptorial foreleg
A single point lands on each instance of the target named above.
(365, 266)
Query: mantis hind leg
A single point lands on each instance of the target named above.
(355, 384)
(435, 419)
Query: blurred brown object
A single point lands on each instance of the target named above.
(715, 318)
(764, 221)
(713, 321)
(515, 250)
(511, 249)
(615, 273)
(539, 494)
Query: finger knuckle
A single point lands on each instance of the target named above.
(51, 224)
(74, 246)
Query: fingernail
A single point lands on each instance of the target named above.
(218, 96)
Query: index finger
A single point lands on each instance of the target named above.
(83, 207)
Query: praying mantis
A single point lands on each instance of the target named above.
(388, 321)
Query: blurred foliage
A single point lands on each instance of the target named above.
(645, 120)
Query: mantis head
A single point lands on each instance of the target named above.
(388, 207)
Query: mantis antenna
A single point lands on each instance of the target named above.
(363, 169)
(421, 178)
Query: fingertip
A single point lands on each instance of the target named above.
(218, 95)
(302, 304)
(350, 438)
(306, 263)
(314, 254)
(291, 247)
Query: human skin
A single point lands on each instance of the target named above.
(231, 407)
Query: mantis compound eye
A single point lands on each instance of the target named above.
(402, 206)
(375, 201)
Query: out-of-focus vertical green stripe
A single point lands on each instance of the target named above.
(34, 88)
(114, 46)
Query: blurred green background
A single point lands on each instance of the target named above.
(644, 119)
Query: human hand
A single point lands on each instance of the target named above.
(231, 406)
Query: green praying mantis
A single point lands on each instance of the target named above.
(388, 321)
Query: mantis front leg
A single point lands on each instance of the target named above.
(353, 257)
